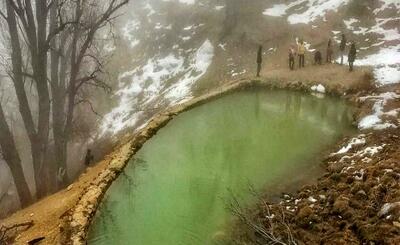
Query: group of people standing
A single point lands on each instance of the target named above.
(301, 51)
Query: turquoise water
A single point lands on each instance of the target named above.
(176, 188)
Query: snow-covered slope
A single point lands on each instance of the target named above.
(378, 30)
(170, 50)
(146, 86)
(305, 11)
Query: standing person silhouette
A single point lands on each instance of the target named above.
(89, 157)
(352, 56)
(292, 54)
(301, 50)
(329, 52)
(259, 60)
(342, 48)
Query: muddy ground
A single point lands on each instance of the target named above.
(339, 211)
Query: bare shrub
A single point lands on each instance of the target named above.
(272, 228)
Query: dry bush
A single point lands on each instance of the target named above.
(272, 228)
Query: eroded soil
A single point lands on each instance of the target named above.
(357, 201)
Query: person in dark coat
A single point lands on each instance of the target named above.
(259, 60)
(292, 54)
(318, 58)
(352, 55)
(89, 157)
(329, 52)
(342, 48)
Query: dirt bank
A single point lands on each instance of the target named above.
(64, 217)
(357, 201)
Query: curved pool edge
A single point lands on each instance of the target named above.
(83, 212)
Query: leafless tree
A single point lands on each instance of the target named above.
(11, 156)
(52, 45)
(75, 64)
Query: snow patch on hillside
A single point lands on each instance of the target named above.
(386, 34)
(359, 140)
(165, 80)
(202, 60)
(350, 22)
(388, 4)
(313, 10)
(386, 63)
(188, 2)
(128, 30)
(375, 120)
(276, 10)
(150, 9)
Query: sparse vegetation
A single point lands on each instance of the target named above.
(269, 227)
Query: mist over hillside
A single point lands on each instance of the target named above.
(176, 49)
(164, 52)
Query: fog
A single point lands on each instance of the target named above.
(148, 55)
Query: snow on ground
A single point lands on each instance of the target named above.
(386, 34)
(363, 154)
(350, 22)
(147, 85)
(359, 140)
(276, 10)
(375, 120)
(238, 73)
(318, 88)
(187, 38)
(387, 207)
(222, 46)
(312, 199)
(313, 10)
(150, 9)
(200, 62)
(188, 2)
(386, 63)
(388, 4)
(370, 151)
(128, 30)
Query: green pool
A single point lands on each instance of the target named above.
(175, 189)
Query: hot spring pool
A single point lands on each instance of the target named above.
(174, 191)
